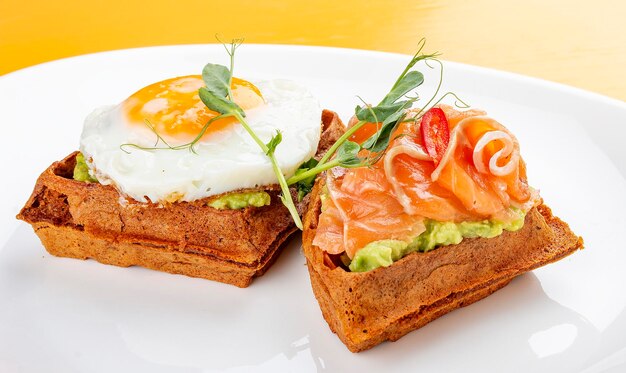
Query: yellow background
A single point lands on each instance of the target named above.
(578, 43)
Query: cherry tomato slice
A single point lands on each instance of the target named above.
(435, 133)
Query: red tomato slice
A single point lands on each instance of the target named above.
(436, 133)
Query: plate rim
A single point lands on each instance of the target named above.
(497, 73)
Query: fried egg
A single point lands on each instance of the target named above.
(118, 141)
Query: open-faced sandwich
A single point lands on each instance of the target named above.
(186, 176)
(424, 211)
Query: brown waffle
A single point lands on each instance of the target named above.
(365, 309)
(88, 220)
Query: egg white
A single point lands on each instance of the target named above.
(226, 160)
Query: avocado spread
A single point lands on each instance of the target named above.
(81, 170)
(234, 201)
(383, 253)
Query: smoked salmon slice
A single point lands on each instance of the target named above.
(480, 176)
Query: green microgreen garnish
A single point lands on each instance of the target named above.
(389, 113)
(304, 186)
(217, 96)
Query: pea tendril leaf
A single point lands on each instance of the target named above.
(273, 143)
(216, 78)
(304, 186)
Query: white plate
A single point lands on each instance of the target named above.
(77, 316)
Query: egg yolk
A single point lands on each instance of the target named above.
(174, 109)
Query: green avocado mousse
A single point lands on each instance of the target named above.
(81, 170)
(383, 253)
(239, 200)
